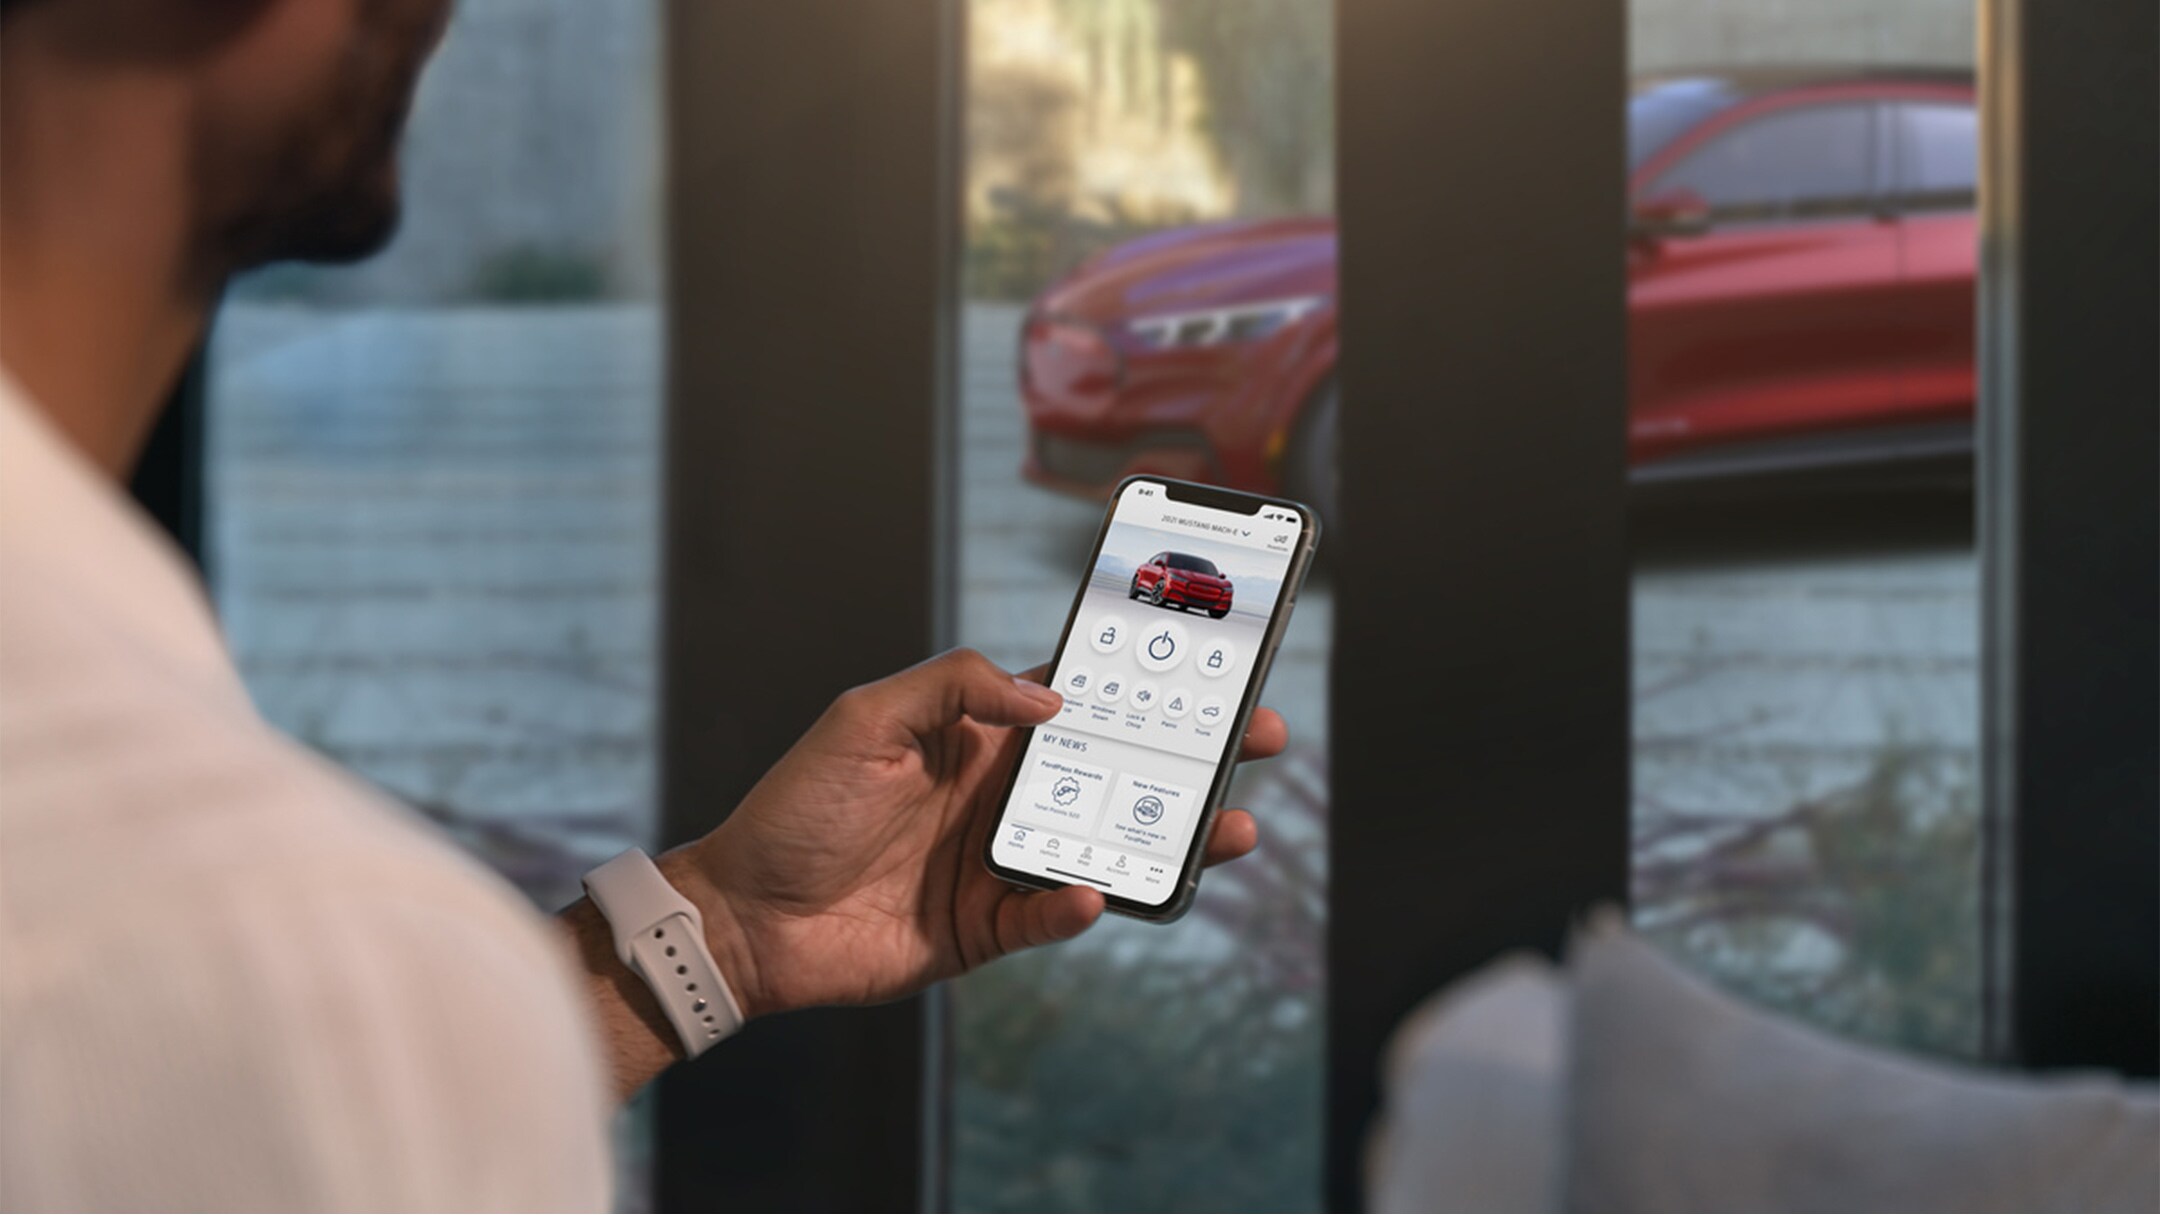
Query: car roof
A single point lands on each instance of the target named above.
(1754, 81)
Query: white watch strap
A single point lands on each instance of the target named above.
(660, 936)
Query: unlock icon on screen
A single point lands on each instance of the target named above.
(1109, 635)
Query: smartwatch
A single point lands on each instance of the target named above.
(660, 936)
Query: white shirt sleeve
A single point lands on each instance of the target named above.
(232, 977)
(325, 1042)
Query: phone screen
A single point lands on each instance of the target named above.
(1158, 663)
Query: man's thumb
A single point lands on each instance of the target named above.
(937, 693)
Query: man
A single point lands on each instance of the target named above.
(229, 976)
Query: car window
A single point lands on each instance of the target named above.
(1797, 163)
(1197, 565)
(1660, 111)
(1942, 154)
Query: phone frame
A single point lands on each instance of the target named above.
(1194, 493)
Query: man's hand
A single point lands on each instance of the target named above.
(853, 872)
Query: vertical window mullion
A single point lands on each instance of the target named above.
(1480, 698)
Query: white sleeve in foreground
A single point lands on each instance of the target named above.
(396, 1041)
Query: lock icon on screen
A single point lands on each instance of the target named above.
(1214, 660)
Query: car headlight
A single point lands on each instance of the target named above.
(1217, 326)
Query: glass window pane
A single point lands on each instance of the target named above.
(1661, 110)
(1149, 284)
(1787, 162)
(1806, 643)
(1943, 149)
(433, 477)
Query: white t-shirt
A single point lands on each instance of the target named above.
(231, 977)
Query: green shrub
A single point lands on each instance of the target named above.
(538, 274)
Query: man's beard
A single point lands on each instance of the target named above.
(335, 222)
(330, 192)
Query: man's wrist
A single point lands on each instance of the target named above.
(725, 933)
(639, 1040)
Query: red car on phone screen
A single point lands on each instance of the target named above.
(1182, 580)
(1800, 266)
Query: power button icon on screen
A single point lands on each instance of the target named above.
(1163, 647)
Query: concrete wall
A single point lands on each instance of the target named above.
(1688, 33)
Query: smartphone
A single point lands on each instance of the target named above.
(1161, 663)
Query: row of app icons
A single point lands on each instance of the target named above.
(1080, 683)
(1109, 868)
(1165, 645)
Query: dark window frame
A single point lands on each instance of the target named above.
(2070, 612)
(825, 128)
(1520, 719)
(167, 481)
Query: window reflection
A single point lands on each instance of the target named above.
(1806, 593)
(1129, 163)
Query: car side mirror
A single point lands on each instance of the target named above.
(1671, 213)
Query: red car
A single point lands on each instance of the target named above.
(1800, 291)
(1182, 580)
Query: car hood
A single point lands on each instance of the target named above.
(1186, 269)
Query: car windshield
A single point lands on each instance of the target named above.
(1198, 565)
(1660, 111)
